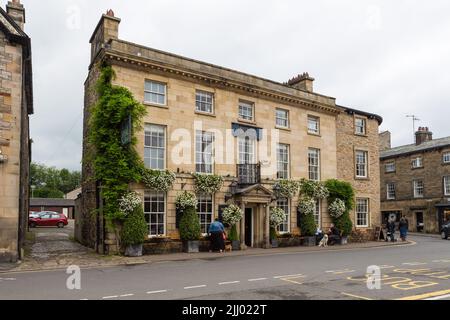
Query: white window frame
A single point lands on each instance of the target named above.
(149, 130)
(152, 92)
(359, 166)
(283, 161)
(447, 185)
(283, 204)
(202, 102)
(316, 128)
(314, 164)
(283, 120)
(360, 128)
(391, 191)
(246, 150)
(204, 150)
(416, 188)
(391, 165)
(246, 111)
(318, 214)
(360, 213)
(446, 157)
(417, 162)
(204, 200)
(148, 200)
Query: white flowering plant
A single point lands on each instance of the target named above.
(337, 208)
(277, 217)
(313, 189)
(232, 215)
(307, 206)
(285, 189)
(186, 200)
(158, 180)
(207, 183)
(129, 202)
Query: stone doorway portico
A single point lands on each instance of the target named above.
(258, 199)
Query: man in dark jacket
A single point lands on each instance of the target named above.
(334, 235)
(391, 229)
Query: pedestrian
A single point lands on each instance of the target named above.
(391, 229)
(403, 226)
(217, 236)
(334, 235)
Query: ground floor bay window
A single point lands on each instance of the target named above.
(205, 212)
(155, 213)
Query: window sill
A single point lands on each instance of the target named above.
(417, 168)
(314, 134)
(362, 178)
(247, 121)
(390, 172)
(149, 104)
(200, 113)
(283, 128)
(361, 135)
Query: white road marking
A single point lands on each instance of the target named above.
(258, 279)
(195, 287)
(155, 292)
(229, 282)
(386, 267)
(8, 279)
(440, 297)
(110, 297)
(443, 260)
(288, 276)
(340, 271)
(127, 295)
(414, 263)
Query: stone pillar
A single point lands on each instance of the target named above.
(267, 228)
(243, 246)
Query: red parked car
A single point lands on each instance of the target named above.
(48, 219)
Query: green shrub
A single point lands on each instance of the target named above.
(135, 228)
(233, 236)
(344, 224)
(273, 233)
(341, 190)
(308, 226)
(190, 229)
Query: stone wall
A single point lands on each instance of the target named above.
(347, 143)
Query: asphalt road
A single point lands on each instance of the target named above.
(420, 271)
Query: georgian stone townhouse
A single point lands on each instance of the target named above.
(307, 134)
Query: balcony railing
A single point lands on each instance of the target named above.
(248, 174)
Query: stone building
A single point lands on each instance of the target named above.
(415, 182)
(308, 136)
(16, 104)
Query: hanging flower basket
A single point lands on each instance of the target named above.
(158, 180)
(207, 183)
(232, 215)
(186, 200)
(337, 208)
(277, 217)
(313, 189)
(307, 206)
(129, 202)
(285, 189)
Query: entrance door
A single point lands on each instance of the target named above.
(419, 221)
(248, 227)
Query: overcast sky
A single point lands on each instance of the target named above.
(387, 57)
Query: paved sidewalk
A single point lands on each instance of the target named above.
(89, 259)
(419, 234)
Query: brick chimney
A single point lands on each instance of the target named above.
(302, 82)
(107, 29)
(16, 11)
(385, 140)
(423, 135)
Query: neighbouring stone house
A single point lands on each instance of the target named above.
(415, 181)
(312, 138)
(16, 104)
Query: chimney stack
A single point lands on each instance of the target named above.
(385, 140)
(302, 82)
(107, 29)
(423, 135)
(16, 11)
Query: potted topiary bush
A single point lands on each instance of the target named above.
(277, 217)
(190, 230)
(308, 228)
(135, 227)
(231, 216)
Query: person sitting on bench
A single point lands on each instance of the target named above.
(334, 235)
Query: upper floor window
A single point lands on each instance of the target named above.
(446, 157)
(313, 125)
(155, 92)
(447, 185)
(204, 152)
(390, 167)
(155, 147)
(418, 188)
(390, 191)
(314, 164)
(282, 118)
(360, 126)
(361, 164)
(283, 161)
(204, 101)
(284, 204)
(246, 111)
(247, 150)
(417, 162)
(362, 213)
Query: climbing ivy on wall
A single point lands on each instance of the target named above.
(115, 165)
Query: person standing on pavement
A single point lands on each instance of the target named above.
(403, 227)
(391, 229)
(217, 236)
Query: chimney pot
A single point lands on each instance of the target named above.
(423, 135)
(302, 82)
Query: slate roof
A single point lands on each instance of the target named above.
(412, 148)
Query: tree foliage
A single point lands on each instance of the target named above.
(344, 191)
(190, 229)
(50, 182)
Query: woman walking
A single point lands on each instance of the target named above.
(403, 226)
(217, 236)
